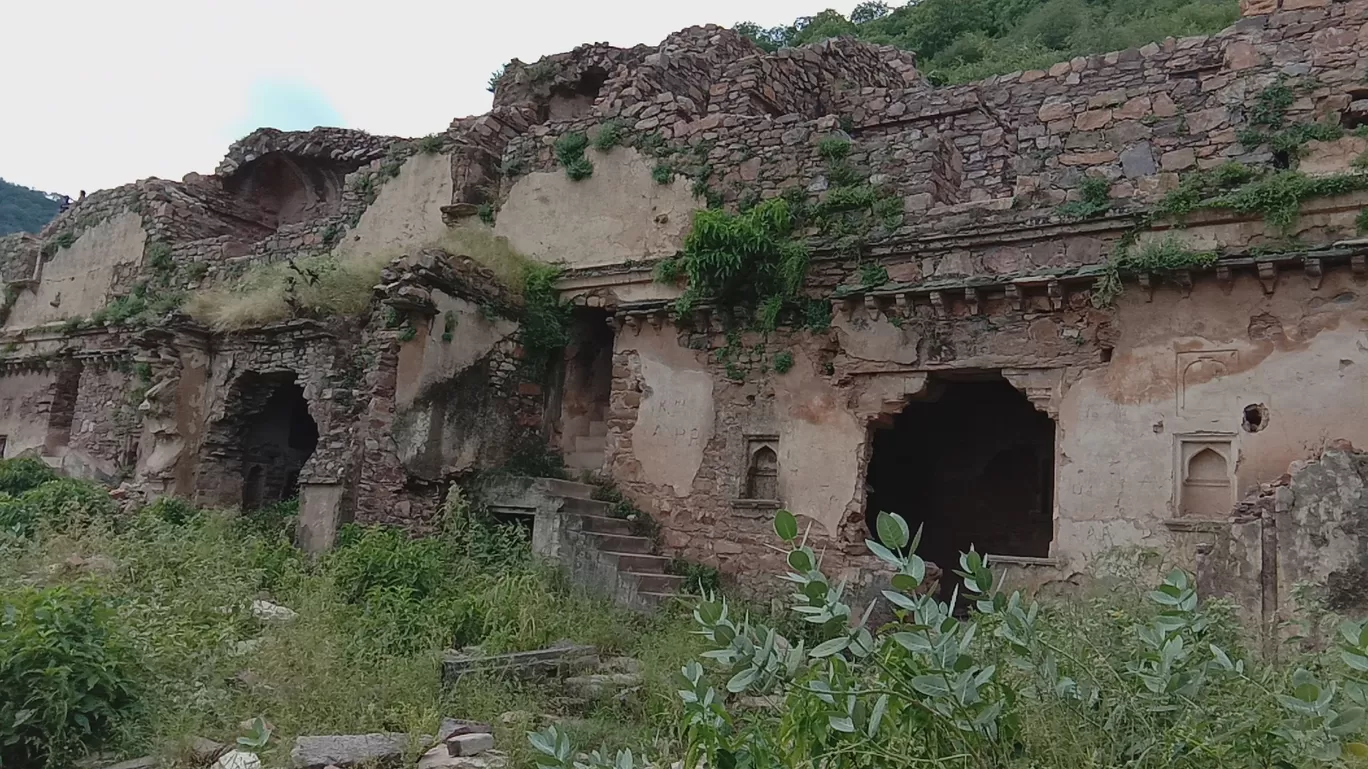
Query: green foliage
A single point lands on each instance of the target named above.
(58, 242)
(873, 274)
(331, 234)
(1290, 142)
(495, 77)
(512, 167)
(20, 474)
(407, 332)
(430, 144)
(783, 362)
(699, 578)
(1156, 257)
(1270, 106)
(448, 325)
(486, 213)
(996, 679)
(740, 259)
(55, 504)
(364, 187)
(545, 328)
(833, 148)
(23, 209)
(392, 317)
(1094, 199)
(158, 256)
(663, 173)
(173, 510)
(958, 41)
(610, 134)
(1361, 221)
(569, 150)
(363, 654)
(66, 677)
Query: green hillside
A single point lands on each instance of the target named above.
(962, 40)
(23, 209)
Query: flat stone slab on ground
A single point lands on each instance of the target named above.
(540, 662)
(469, 744)
(345, 750)
(438, 758)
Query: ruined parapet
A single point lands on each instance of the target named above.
(343, 145)
(566, 85)
(811, 80)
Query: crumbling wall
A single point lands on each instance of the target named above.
(76, 281)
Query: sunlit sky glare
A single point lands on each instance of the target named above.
(98, 93)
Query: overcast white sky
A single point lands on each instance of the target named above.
(98, 93)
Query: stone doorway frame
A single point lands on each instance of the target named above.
(886, 393)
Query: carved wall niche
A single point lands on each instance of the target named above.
(760, 486)
(1204, 475)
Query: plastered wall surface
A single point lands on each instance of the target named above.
(675, 421)
(407, 212)
(23, 410)
(1184, 371)
(76, 281)
(617, 214)
(434, 360)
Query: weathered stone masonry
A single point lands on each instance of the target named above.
(1138, 422)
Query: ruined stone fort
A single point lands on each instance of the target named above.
(1048, 315)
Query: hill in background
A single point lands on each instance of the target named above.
(23, 209)
(957, 41)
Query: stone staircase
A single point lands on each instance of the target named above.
(586, 451)
(597, 550)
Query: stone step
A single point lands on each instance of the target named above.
(568, 489)
(585, 460)
(602, 524)
(657, 583)
(620, 543)
(598, 429)
(654, 600)
(585, 444)
(642, 564)
(586, 506)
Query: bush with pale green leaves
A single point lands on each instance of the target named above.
(991, 679)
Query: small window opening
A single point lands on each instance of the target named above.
(1255, 417)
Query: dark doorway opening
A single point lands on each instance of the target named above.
(973, 465)
(586, 388)
(277, 442)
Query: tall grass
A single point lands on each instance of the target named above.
(364, 652)
(339, 283)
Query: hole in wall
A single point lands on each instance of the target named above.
(1255, 418)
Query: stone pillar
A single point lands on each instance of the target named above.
(320, 516)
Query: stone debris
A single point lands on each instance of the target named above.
(345, 750)
(146, 762)
(271, 612)
(238, 759)
(556, 660)
(601, 685)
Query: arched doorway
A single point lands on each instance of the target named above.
(254, 454)
(973, 465)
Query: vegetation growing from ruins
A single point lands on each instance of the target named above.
(996, 679)
(569, 150)
(1277, 195)
(1155, 257)
(317, 286)
(1094, 199)
(750, 259)
(132, 632)
(430, 144)
(610, 134)
(23, 209)
(958, 41)
(545, 322)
